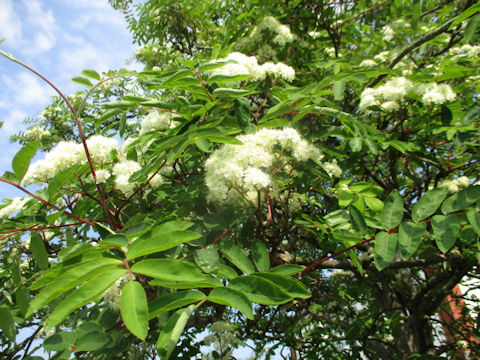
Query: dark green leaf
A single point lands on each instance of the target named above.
(392, 213)
(260, 290)
(474, 219)
(172, 331)
(461, 200)
(233, 298)
(134, 309)
(260, 255)
(38, 250)
(92, 341)
(409, 236)
(236, 256)
(7, 324)
(357, 220)
(445, 231)
(173, 301)
(385, 249)
(207, 259)
(21, 160)
(288, 269)
(428, 204)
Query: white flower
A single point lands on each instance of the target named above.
(388, 33)
(12, 205)
(36, 133)
(390, 106)
(156, 120)
(101, 147)
(122, 172)
(436, 94)
(368, 63)
(332, 168)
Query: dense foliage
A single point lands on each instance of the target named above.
(297, 175)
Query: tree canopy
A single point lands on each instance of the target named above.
(289, 175)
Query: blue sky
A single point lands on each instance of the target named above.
(59, 38)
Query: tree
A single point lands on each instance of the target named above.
(315, 159)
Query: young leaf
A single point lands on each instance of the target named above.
(7, 324)
(233, 298)
(207, 259)
(260, 255)
(409, 236)
(236, 256)
(82, 81)
(172, 331)
(173, 301)
(134, 309)
(38, 250)
(445, 231)
(358, 221)
(385, 249)
(260, 290)
(392, 212)
(84, 295)
(21, 160)
(462, 199)
(428, 204)
(91, 73)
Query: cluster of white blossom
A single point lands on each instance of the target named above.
(112, 295)
(389, 94)
(67, 154)
(282, 33)
(241, 64)
(157, 120)
(465, 51)
(388, 33)
(12, 205)
(368, 63)
(35, 133)
(237, 173)
(455, 185)
(49, 111)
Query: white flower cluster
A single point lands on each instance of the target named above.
(248, 65)
(112, 295)
(283, 35)
(13, 205)
(157, 120)
(465, 51)
(67, 154)
(388, 33)
(388, 95)
(455, 185)
(237, 173)
(368, 63)
(35, 133)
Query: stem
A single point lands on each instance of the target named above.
(46, 202)
(80, 131)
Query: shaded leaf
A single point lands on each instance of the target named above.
(428, 204)
(38, 250)
(409, 236)
(461, 200)
(445, 231)
(260, 255)
(7, 324)
(358, 221)
(392, 213)
(385, 249)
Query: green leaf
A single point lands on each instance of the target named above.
(445, 231)
(230, 93)
(236, 256)
(260, 255)
(474, 219)
(223, 78)
(160, 242)
(170, 269)
(180, 74)
(84, 295)
(200, 283)
(357, 220)
(38, 250)
(207, 259)
(338, 89)
(173, 301)
(291, 286)
(345, 198)
(93, 341)
(172, 331)
(61, 179)
(21, 160)
(82, 81)
(392, 213)
(409, 236)
(374, 203)
(91, 73)
(7, 324)
(461, 200)
(233, 298)
(22, 298)
(69, 279)
(465, 15)
(260, 290)
(117, 240)
(356, 143)
(226, 272)
(385, 249)
(428, 204)
(288, 269)
(134, 309)
(60, 341)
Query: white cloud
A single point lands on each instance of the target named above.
(10, 24)
(13, 122)
(26, 89)
(103, 18)
(43, 24)
(93, 4)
